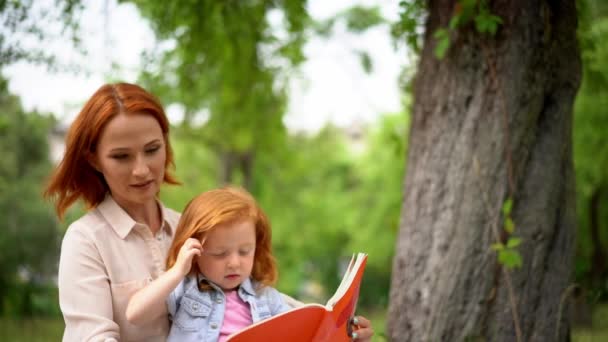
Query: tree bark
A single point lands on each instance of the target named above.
(491, 120)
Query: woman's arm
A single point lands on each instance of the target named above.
(145, 304)
(85, 297)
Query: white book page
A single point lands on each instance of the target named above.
(347, 279)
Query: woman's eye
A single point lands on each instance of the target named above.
(119, 156)
(153, 150)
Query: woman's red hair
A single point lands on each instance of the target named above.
(222, 206)
(74, 177)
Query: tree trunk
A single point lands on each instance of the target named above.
(491, 120)
(234, 161)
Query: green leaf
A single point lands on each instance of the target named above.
(509, 258)
(440, 33)
(360, 18)
(497, 246)
(513, 242)
(487, 23)
(455, 22)
(443, 42)
(509, 225)
(506, 207)
(366, 61)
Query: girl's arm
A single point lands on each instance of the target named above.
(145, 304)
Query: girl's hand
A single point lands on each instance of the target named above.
(190, 248)
(362, 329)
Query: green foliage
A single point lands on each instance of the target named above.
(359, 18)
(409, 27)
(486, 22)
(508, 256)
(443, 42)
(465, 12)
(21, 35)
(220, 63)
(330, 196)
(366, 61)
(590, 144)
(29, 237)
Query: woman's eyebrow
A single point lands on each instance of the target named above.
(153, 142)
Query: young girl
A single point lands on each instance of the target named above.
(219, 271)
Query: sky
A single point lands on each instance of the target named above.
(330, 87)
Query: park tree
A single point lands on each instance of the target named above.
(25, 25)
(228, 64)
(486, 241)
(223, 67)
(30, 234)
(591, 152)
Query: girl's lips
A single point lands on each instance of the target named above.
(232, 276)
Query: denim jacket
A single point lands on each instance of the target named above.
(198, 315)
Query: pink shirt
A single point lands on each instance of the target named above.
(105, 258)
(237, 315)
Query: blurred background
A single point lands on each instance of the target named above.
(305, 103)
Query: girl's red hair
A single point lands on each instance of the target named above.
(74, 177)
(221, 206)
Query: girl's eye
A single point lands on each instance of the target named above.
(219, 255)
(245, 252)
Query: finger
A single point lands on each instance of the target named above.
(362, 322)
(363, 334)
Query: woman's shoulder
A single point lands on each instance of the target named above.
(87, 224)
(171, 216)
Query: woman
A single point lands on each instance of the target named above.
(117, 155)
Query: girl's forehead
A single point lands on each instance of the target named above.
(232, 233)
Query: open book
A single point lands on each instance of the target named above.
(313, 322)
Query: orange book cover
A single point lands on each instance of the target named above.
(313, 322)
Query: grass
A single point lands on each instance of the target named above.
(598, 331)
(31, 330)
(51, 329)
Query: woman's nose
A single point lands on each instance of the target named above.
(141, 167)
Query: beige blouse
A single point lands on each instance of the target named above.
(105, 258)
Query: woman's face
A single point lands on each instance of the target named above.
(131, 156)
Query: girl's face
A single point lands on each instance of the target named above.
(131, 156)
(228, 254)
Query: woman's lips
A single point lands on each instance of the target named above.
(142, 185)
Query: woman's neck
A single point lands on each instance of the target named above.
(148, 213)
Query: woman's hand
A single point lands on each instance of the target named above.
(190, 248)
(362, 329)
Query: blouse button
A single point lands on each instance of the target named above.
(195, 307)
(218, 300)
(213, 326)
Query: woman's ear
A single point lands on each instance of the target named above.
(92, 160)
